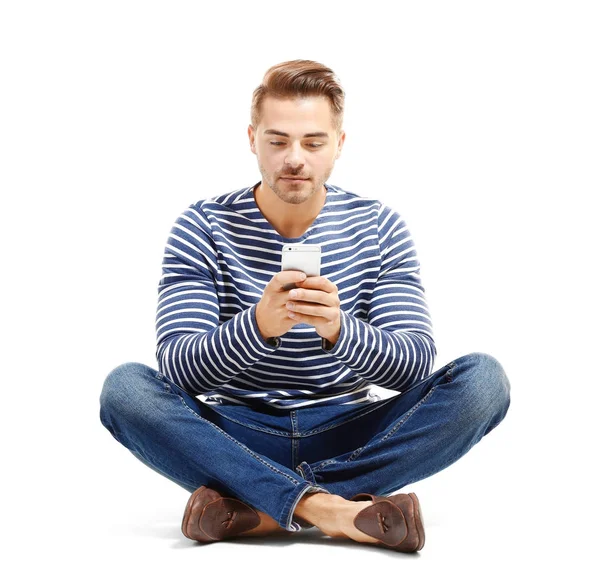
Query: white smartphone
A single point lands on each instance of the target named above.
(304, 257)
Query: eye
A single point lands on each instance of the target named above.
(313, 145)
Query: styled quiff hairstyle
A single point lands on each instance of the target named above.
(297, 79)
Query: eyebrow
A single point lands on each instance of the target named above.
(315, 134)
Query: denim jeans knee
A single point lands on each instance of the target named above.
(171, 433)
(485, 389)
(124, 393)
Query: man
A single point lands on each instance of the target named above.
(262, 404)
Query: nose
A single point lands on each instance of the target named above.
(294, 156)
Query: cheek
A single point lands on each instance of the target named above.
(269, 162)
(272, 158)
(324, 163)
(318, 161)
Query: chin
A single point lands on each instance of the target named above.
(293, 197)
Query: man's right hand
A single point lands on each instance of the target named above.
(271, 312)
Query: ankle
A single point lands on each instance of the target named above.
(319, 507)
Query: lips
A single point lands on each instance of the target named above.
(294, 178)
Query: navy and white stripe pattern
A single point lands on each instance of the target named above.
(220, 255)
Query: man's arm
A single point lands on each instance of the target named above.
(394, 347)
(193, 349)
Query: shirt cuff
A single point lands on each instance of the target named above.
(340, 344)
(266, 345)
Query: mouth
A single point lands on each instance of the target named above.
(294, 179)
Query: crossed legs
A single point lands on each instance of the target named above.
(416, 434)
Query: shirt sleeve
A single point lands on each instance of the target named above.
(195, 349)
(394, 347)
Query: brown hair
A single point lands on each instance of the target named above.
(300, 78)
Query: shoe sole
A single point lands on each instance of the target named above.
(418, 520)
(188, 512)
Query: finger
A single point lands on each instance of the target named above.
(319, 282)
(314, 297)
(309, 309)
(288, 279)
(309, 319)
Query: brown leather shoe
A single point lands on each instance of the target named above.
(395, 520)
(211, 517)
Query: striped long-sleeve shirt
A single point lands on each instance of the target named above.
(220, 255)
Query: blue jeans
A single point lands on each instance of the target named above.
(271, 458)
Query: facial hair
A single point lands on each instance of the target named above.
(293, 196)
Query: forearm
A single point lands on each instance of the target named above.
(202, 361)
(389, 359)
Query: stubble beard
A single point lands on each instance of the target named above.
(293, 196)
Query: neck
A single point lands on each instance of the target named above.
(290, 220)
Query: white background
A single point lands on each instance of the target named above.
(478, 121)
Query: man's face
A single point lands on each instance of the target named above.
(295, 138)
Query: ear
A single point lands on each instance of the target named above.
(251, 137)
(340, 144)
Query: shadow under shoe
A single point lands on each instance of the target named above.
(209, 516)
(396, 521)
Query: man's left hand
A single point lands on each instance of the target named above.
(316, 303)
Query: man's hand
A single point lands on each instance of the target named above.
(316, 302)
(271, 314)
